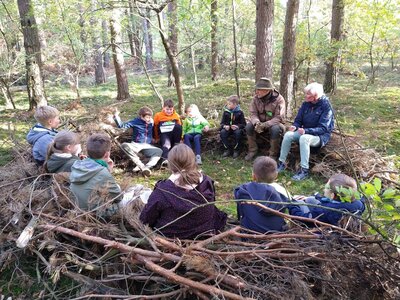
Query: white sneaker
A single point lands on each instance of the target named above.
(164, 164)
(146, 172)
(198, 160)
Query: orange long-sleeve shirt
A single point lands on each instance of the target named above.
(161, 117)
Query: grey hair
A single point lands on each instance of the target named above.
(315, 89)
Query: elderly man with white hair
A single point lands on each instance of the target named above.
(311, 128)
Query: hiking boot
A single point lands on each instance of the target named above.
(250, 156)
(236, 154)
(301, 174)
(198, 159)
(281, 166)
(146, 172)
(226, 153)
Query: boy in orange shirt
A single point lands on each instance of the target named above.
(167, 128)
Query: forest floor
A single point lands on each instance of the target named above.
(372, 115)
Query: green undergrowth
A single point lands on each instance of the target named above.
(371, 115)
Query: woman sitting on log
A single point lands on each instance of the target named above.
(183, 205)
(311, 128)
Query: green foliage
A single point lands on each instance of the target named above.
(385, 207)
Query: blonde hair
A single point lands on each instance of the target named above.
(265, 169)
(45, 113)
(194, 110)
(315, 89)
(181, 160)
(234, 99)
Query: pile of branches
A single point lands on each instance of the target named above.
(120, 258)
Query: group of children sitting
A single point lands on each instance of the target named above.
(183, 205)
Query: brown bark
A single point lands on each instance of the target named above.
(174, 65)
(214, 41)
(118, 58)
(99, 74)
(286, 87)
(332, 66)
(264, 38)
(33, 60)
(106, 44)
(236, 70)
(173, 38)
(146, 39)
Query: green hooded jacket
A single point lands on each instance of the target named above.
(88, 176)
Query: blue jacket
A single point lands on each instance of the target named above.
(255, 218)
(142, 131)
(316, 119)
(40, 137)
(356, 207)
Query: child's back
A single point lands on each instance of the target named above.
(88, 175)
(255, 218)
(93, 174)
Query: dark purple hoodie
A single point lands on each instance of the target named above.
(168, 202)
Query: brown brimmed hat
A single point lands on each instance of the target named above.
(264, 84)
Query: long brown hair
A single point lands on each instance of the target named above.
(181, 160)
(62, 140)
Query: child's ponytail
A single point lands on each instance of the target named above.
(181, 160)
(61, 140)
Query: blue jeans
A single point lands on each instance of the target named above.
(188, 138)
(305, 141)
(237, 134)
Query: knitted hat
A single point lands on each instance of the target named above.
(264, 84)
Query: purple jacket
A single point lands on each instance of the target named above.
(164, 210)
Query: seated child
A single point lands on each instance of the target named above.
(141, 141)
(62, 152)
(43, 132)
(232, 123)
(167, 128)
(331, 199)
(93, 174)
(263, 189)
(193, 127)
(171, 208)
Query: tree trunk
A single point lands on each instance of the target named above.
(130, 32)
(118, 58)
(286, 86)
(106, 44)
(33, 60)
(192, 54)
(308, 59)
(214, 41)
(99, 74)
(146, 39)
(174, 65)
(332, 66)
(236, 71)
(5, 89)
(173, 38)
(264, 38)
(134, 30)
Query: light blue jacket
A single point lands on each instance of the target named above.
(40, 138)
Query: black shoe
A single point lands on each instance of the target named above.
(226, 153)
(236, 154)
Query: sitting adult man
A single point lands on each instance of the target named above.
(267, 116)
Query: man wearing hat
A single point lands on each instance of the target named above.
(267, 116)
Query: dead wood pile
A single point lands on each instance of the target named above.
(123, 259)
(343, 153)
